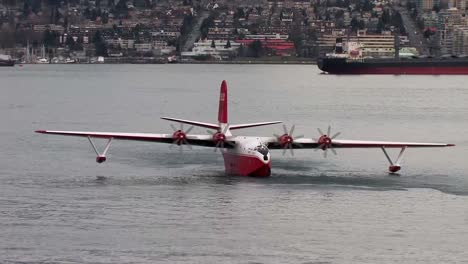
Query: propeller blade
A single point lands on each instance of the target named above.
(181, 127)
(334, 151)
(337, 134)
(329, 130)
(225, 129)
(320, 131)
(284, 151)
(285, 129)
(321, 146)
(180, 150)
(217, 146)
(188, 130)
(185, 142)
(292, 130)
(298, 144)
(291, 149)
(325, 153)
(276, 135)
(173, 127)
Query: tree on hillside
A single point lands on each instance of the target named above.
(99, 44)
(257, 48)
(354, 24)
(206, 24)
(49, 38)
(228, 44)
(380, 26)
(187, 24)
(241, 51)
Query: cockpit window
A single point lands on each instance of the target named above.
(262, 149)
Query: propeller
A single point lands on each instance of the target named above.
(179, 136)
(326, 142)
(219, 138)
(286, 141)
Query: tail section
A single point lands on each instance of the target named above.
(222, 116)
(223, 104)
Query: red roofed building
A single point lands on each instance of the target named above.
(279, 47)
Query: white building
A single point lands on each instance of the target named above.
(206, 48)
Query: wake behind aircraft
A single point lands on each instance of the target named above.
(245, 155)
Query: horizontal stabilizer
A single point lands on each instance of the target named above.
(195, 123)
(240, 126)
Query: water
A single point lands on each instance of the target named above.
(148, 204)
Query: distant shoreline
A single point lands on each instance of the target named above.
(161, 60)
(297, 62)
(241, 62)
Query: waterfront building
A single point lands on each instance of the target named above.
(430, 19)
(460, 40)
(277, 47)
(426, 5)
(266, 36)
(121, 43)
(218, 49)
(448, 19)
(223, 33)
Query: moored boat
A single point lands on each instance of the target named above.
(6, 60)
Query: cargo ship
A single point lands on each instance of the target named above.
(348, 58)
(6, 60)
(337, 65)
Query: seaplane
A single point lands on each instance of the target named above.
(245, 155)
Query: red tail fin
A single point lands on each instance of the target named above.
(223, 104)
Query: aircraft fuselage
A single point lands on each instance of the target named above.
(250, 157)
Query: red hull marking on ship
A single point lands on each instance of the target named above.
(244, 165)
(407, 70)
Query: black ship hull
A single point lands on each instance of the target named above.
(393, 66)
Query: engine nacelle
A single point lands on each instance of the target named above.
(179, 137)
(219, 137)
(101, 159)
(285, 140)
(324, 141)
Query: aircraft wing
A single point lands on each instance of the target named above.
(342, 143)
(197, 140)
(309, 143)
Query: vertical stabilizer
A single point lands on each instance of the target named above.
(223, 104)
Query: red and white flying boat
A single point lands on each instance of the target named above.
(244, 155)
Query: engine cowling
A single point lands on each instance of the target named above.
(219, 138)
(179, 137)
(324, 142)
(285, 140)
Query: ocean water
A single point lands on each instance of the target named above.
(149, 204)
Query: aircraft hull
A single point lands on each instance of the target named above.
(246, 165)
